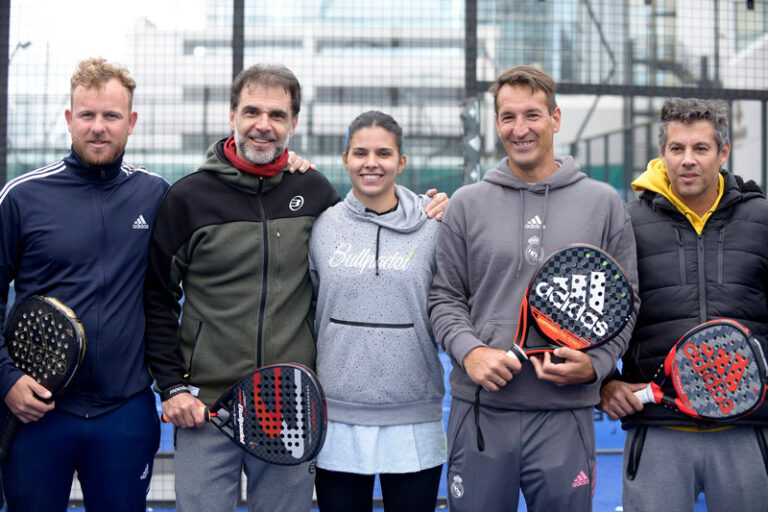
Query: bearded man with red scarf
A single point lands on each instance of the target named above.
(232, 239)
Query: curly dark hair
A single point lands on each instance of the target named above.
(688, 110)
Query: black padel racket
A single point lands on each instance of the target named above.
(47, 342)
(277, 414)
(717, 371)
(579, 298)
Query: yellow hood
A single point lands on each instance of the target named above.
(655, 179)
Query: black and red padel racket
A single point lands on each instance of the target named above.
(579, 298)
(717, 371)
(277, 413)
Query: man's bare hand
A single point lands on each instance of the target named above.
(184, 410)
(490, 368)
(22, 399)
(617, 398)
(576, 369)
(436, 207)
(296, 163)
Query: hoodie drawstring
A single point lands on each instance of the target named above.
(378, 237)
(478, 432)
(522, 232)
(544, 215)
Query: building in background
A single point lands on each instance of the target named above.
(407, 59)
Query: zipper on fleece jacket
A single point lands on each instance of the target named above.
(194, 348)
(264, 274)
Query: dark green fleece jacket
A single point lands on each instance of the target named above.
(235, 245)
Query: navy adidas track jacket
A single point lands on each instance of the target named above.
(80, 234)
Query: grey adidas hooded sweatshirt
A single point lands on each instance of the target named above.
(376, 355)
(495, 235)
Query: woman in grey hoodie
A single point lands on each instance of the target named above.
(372, 258)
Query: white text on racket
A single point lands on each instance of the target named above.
(571, 296)
(240, 421)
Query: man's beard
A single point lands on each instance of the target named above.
(260, 157)
(96, 159)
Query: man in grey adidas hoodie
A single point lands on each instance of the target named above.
(531, 427)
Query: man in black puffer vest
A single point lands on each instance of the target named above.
(702, 253)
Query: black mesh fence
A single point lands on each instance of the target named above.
(428, 63)
(614, 61)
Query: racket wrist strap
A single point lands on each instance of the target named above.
(174, 390)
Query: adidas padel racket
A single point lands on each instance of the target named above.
(277, 414)
(717, 371)
(47, 342)
(579, 298)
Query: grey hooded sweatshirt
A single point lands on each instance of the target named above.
(495, 235)
(376, 355)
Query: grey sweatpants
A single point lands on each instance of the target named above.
(208, 467)
(675, 466)
(550, 455)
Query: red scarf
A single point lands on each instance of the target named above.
(265, 171)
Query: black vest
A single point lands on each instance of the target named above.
(687, 278)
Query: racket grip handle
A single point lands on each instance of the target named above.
(517, 353)
(645, 395)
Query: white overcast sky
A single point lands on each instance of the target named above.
(63, 32)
